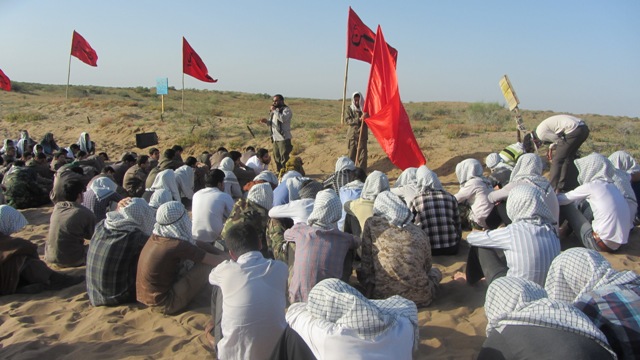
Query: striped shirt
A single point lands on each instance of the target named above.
(528, 248)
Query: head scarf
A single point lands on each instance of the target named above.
(527, 203)
(227, 165)
(327, 210)
(577, 271)
(85, 142)
(624, 161)
(392, 208)
(336, 302)
(529, 169)
(137, 215)
(21, 147)
(11, 220)
(293, 164)
(467, 170)
(288, 175)
(5, 145)
(172, 221)
(594, 167)
(267, 176)
(344, 163)
(622, 180)
(261, 194)
(516, 301)
(344, 174)
(408, 177)
(427, 180)
(293, 187)
(493, 160)
(310, 189)
(103, 187)
(375, 183)
(353, 102)
(159, 197)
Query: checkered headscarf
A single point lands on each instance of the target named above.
(392, 208)
(267, 176)
(622, 181)
(526, 203)
(375, 183)
(493, 160)
(159, 197)
(408, 177)
(137, 215)
(11, 220)
(624, 161)
(344, 163)
(427, 179)
(327, 210)
(294, 185)
(517, 301)
(334, 301)
(467, 170)
(594, 167)
(261, 194)
(227, 165)
(310, 189)
(577, 271)
(529, 169)
(103, 187)
(172, 221)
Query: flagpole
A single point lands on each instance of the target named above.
(344, 91)
(66, 94)
(362, 124)
(183, 92)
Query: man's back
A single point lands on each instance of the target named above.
(210, 208)
(70, 224)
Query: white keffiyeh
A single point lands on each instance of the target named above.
(517, 301)
(408, 177)
(492, 160)
(467, 170)
(392, 208)
(227, 165)
(624, 161)
(294, 185)
(159, 197)
(529, 169)
(327, 210)
(267, 176)
(334, 301)
(137, 215)
(527, 203)
(11, 220)
(85, 143)
(261, 194)
(375, 183)
(172, 221)
(427, 180)
(594, 167)
(360, 103)
(344, 163)
(103, 187)
(577, 271)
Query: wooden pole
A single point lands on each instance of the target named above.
(344, 91)
(162, 97)
(66, 94)
(362, 125)
(183, 92)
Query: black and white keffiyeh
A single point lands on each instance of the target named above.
(294, 185)
(624, 161)
(375, 183)
(527, 203)
(103, 187)
(267, 176)
(392, 208)
(310, 189)
(344, 163)
(136, 215)
(577, 271)
(494, 161)
(594, 167)
(337, 302)
(262, 195)
(159, 197)
(427, 180)
(529, 168)
(517, 301)
(327, 210)
(11, 220)
(467, 170)
(172, 221)
(407, 177)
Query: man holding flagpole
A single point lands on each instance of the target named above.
(279, 123)
(358, 132)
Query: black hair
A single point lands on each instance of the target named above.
(81, 154)
(177, 148)
(213, 178)
(360, 174)
(250, 148)
(169, 154)
(153, 150)
(242, 238)
(235, 155)
(104, 155)
(41, 156)
(74, 147)
(279, 97)
(72, 189)
(191, 161)
(262, 152)
(128, 158)
(27, 154)
(18, 163)
(222, 148)
(108, 169)
(143, 159)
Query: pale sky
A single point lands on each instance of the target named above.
(566, 56)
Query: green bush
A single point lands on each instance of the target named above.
(24, 117)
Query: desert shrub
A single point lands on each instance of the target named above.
(455, 131)
(487, 116)
(419, 116)
(442, 112)
(24, 117)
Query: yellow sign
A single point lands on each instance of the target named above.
(509, 93)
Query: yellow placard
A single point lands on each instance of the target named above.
(509, 93)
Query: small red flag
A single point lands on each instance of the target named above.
(389, 121)
(5, 83)
(360, 40)
(192, 64)
(81, 49)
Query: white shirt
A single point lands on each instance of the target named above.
(528, 248)
(253, 306)
(256, 164)
(210, 209)
(552, 127)
(475, 191)
(331, 341)
(349, 192)
(550, 198)
(610, 209)
(296, 210)
(184, 179)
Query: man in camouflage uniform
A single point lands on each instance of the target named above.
(22, 188)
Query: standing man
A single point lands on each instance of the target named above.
(358, 133)
(565, 133)
(280, 125)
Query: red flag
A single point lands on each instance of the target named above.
(5, 83)
(360, 40)
(192, 64)
(389, 121)
(81, 49)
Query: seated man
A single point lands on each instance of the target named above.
(500, 171)
(22, 188)
(344, 174)
(602, 222)
(248, 300)
(396, 254)
(231, 184)
(71, 223)
(173, 268)
(622, 160)
(260, 161)
(476, 211)
(338, 322)
(243, 173)
(362, 208)
(211, 208)
(136, 176)
(99, 196)
(524, 249)
(320, 247)
(436, 212)
(21, 270)
(185, 177)
(523, 323)
(112, 259)
(611, 299)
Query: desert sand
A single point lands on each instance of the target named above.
(63, 324)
